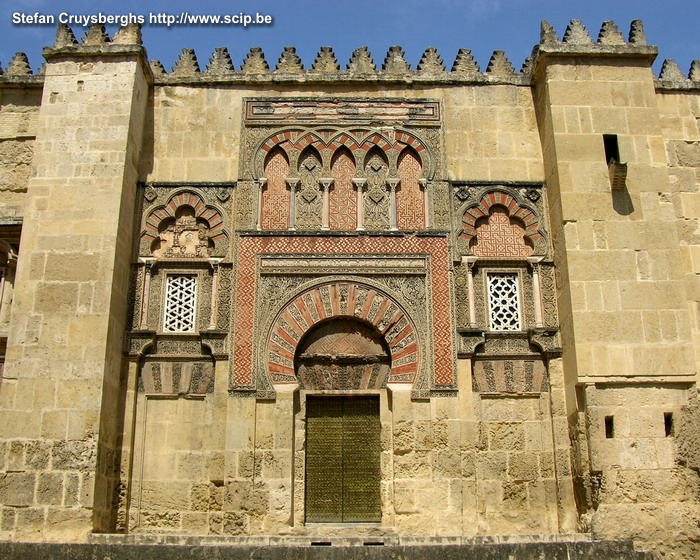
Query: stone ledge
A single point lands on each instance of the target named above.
(370, 550)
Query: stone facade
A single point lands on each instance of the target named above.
(225, 292)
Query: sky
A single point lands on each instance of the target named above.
(479, 25)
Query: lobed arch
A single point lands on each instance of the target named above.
(337, 300)
(495, 201)
(173, 208)
(293, 141)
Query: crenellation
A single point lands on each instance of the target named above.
(96, 35)
(19, 66)
(361, 62)
(431, 62)
(394, 63)
(220, 63)
(548, 35)
(671, 72)
(186, 64)
(289, 62)
(576, 34)
(694, 73)
(255, 63)
(499, 65)
(610, 34)
(64, 37)
(637, 35)
(157, 68)
(129, 34)
(465, 64)
(326, 62)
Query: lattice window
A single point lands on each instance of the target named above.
(504, 301)
(180, 304)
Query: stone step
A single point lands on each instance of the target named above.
(327, 550)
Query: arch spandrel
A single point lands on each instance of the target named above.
(343, 300)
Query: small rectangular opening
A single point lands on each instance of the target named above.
(668, 423)
(609, 427)
(320, 543)
(373, 543)
(612, 148)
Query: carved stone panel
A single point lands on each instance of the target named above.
(510, 376)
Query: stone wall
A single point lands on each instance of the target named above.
(574, 180)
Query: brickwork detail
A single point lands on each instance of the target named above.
(363, 303)
(343, 198)
(410, 199)
(484, 208)
(375, 159)
(500, 236)
(275, 195)
(176, 378)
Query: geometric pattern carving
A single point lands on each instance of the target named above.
(275, 195)
(343, 200)
(376, 197)
(309, 199)
(342, 299)
(410, 201)
(500, 236)
(510, 376)
(439, 369)
(180, 304)
(504, 301)
(481, 213)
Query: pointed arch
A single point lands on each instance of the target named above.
(343, 199)
(410, 198)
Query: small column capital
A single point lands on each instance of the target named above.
(393, 183)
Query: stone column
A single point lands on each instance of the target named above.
(426, 203)
(293, 184)
(393, 183)
(325, 217)
(470, 262)
(360, 186)
(536, 290)
(146, 292)
(214, 292)
(261, 185)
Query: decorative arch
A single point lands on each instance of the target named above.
(329, 140)
(493, 210)
(343, 199)
(275, 196)
(184, 227)
(337, 300)
(410, 198)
